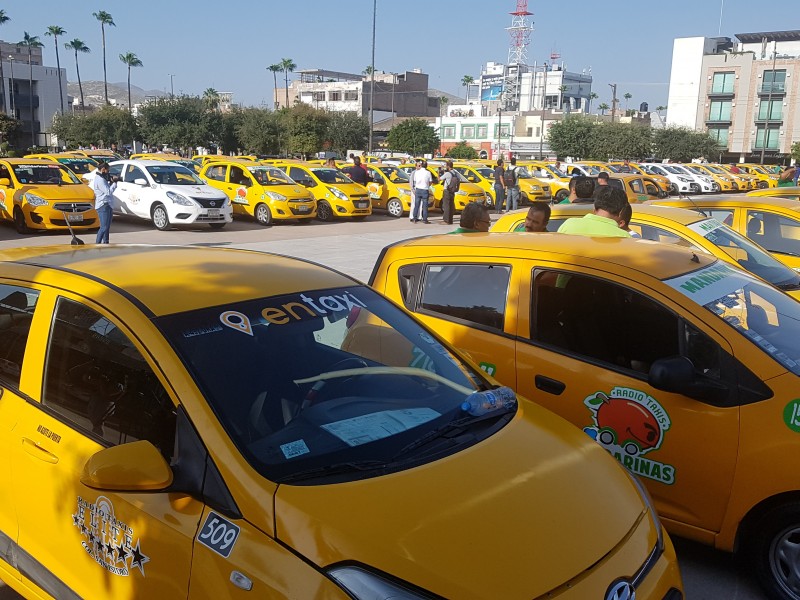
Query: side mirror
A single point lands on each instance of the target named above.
(5, 181)
(677, 374)
(377, 179)
(134, 467)
(140, 181)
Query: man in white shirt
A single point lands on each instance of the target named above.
(421, 181)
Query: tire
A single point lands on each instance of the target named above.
(217, 225)
(263, 214)
(694, 188)
(324, 211)
(762, 185)
(160, 217)
(673, 188)
(395, 208)
(561, 195)
(774, 543)
(19, 221)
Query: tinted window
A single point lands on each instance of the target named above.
(132, 173)
(217, 173)
(657, 234)
(773, 232)
(16, 313)
(97, 380)
(474, 293)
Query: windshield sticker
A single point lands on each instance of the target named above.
(294, 449)
(630, 423)
(488, 368)
(236, 320)
(705, 227)
(219, 534)
(710, 283)
(376, 426)
(106, 539)
(791, 415)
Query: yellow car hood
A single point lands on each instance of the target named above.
(515, 515)
(60, 193)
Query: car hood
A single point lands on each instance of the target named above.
(194, 191)
(59, 193)
(515, 515)
(351, 189)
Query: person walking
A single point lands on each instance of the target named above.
(511, 180)
(450, 182)
(421, 180)
(499, 186)
(103, 186)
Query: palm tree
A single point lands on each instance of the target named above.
(287, 65)
(30, 42)
(131, 60)
(443, 104)
(78, 46)
(603, 108)
(3, 19)
(660, 108)
(627, 97)
(465, 81)
(276, 68)
(55, 31)
(369, 70)
(105, 19)
(211, 98)
(592, 96)
(562, 89)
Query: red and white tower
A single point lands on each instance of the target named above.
(520, 31)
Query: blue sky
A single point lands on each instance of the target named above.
(228, 45)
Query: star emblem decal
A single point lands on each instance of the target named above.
(139, 559)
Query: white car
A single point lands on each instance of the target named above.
(167, 194)
(682, 183)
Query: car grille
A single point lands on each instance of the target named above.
(301, 199)
(209, 202)
(73, 207)
(63, 223)
(478, 195)
(301, 210)
(207, 219)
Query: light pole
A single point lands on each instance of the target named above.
(544, 102)
(171, 85)
(372, 77)
(499, 130)
(769, 101)
(394, 85)
(613, 87)
(11, 86)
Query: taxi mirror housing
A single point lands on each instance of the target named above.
(5, 181)
(134, 467)
(677, 374)
(140, 181)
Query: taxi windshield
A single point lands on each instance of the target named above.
(269, 176)
(337, 383)
(716, 170)
(80, 166)
(185, 162)
(484, 172)
(331, 176)
(696, 170)
(394, 174)
(557, 172)
(172, 174)
(590, 169)
(762, 314)
(53, 174)
(749, 256)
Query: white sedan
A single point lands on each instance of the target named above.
(167, 194)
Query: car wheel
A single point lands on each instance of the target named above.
(775, 545)
(160, 217)
(395, 207)
(673, 188)
(561, 194)
(694, 188)
(324, 212)
(217, 225)
(763, 184)
(19, 221)
(263, 215)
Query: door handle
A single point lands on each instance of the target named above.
(551, 386)
(37, 451)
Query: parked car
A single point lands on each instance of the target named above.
(336, 194)
(202, 423)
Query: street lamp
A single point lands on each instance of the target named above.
(171, 85)
(11, 85)
(372, 77)
(544, 102)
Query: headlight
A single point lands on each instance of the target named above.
(650, 506)
(684, 179)
(338, 193)
(276, 196)
(461, 193)
(535, 188)
(35, 200)
(404, 192)
(179, 199)
(363, 585)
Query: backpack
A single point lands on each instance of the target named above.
(454, 184)
(510, 176)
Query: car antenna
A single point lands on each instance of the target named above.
(697, 208)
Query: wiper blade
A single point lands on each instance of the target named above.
(335, 469)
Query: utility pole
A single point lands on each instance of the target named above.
(11, 86)
(769, 100)
(544, 102)
(372, 77)
(613, 87)
(171, 85)
(499, 134)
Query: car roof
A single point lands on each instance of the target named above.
(164, 280)
(673, 213)
(762, 201)
(28, 161)
(144, 162)
(651, 258)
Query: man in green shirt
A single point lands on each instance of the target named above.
(581, 190)
(474, 219)
(604, 220)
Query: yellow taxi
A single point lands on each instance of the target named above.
(548, 175)
(770, 220)
(389, 189)
(726, 183)
(259, 191)
(480, 175)
(765, 177)
(680, 227)
(214, 423)
(98, 154)
(42, 194)
(80, 165)
(685, 368)
(745, 180)
(638, 188)
(336, 194)
(468, 192)
(632, 168)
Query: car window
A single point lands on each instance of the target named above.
(637, 186)
(17, 305)
(169, 173)
(54, 174)
(132, 173)
(97, 380)
(237, 176)
(115, 170)
(724, 215)
(468, 292)
(269, 176)
(80, 166)
(774, 232)
(330, 176)
(217, 172)
(658, 234)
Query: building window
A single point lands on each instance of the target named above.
(767, 137)
(448, 132)
(351, 96)
(720, 135)
(505, 130)
(771, 110)
(774, 82)
(334, 96)
(482, 132)
(529, 132)
(551, 101)
(468, 132)
(723, 83)
(720, 110)
(318, 96)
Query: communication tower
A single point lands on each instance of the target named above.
(520, 32)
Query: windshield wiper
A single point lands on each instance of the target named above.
(335, 469)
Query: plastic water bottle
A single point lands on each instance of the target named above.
(480, 403)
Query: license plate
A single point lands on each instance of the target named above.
(361, 204)
(74, 217)
(303, 209)
(213, 212)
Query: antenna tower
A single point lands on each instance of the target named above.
(520, 32)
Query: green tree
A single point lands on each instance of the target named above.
(54, 31)
(603, 108)
(306, 128)
(78, 46)
(466, 80)
(107, 125)
(620, 140)
(276, 68)
(105, 19)
(131, 60)
(229, 124)
(10, 128)
(369, 70)
(259, 131)
(592, 96)
(180, 122)
(562, 89)
(287, 66)
(572, 136)
(443, 101)
(346, 131)
(4, 18)
(682, 144)
(462, 151)
(795, 151)
(30, 42)
(627, 97)
(413, 136)
(211, 98)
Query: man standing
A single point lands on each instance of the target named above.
(421, 183)
(499, 186)
(511, 180)
(602, 181)
(358, 173)
(103, 187)
(604, 220)
(447, 178)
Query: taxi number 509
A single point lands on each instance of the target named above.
(219, 534)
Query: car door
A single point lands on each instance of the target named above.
(134, 198)
(586, 342)
(6, 193)
(378, 188)
(95, 390)
(777, 233)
